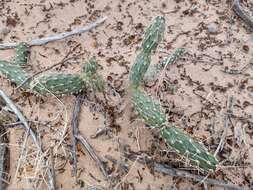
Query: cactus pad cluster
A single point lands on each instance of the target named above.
(151, 111)
(57, 84)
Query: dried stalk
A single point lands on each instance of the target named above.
(43, 41)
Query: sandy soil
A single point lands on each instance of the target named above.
(216, 41)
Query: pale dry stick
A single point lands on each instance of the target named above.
(230, 103)
(165, 169)
(178, 173)
(243, 14)
(65, 127)
(21, 117)
(43, 41)
(25, 124)
(129, 171)
(74, 130)
(29, 131)
(52, 164)
(4, 158)
(93, 154)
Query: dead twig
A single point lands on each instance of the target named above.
(74, 130)
(165, 169)
(52, 167)
(28, 130)
(230, 103)
(4, 158)
(248, 19)
(20, 117)
(101, 131)
(93, 154)
(43, 41)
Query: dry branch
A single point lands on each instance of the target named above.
(228, 114)
(74, 131)
(93, 154)
(28, 130)
(165, 169)
(43, 41)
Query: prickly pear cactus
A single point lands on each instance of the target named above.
(148, 109)
(139, 69)
(90, 67)
(189, 148)
(13, 72)
(90, 76)
(22, 53)
(58, 84)
(153, 35)
(153, 115)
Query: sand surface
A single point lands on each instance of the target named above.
(194, 96)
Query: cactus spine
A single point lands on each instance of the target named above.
(151, 110)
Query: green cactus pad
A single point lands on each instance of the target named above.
(58, 84)
(154, 70)
(22, 53)
(153, 35)
(90, 67)
(189, 148)
(13, 72)
(171, 59)
(139, 69)
(148, 109)
(90, 76)
(97, 83)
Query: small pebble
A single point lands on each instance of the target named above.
(4, 31)
(212, 28)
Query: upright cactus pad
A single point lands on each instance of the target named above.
(90, 67)
(139, 69)
(58, 84)
(89, 74)
(13, 72)
(189, 148)
(148, 109)
(154, 70)
(153, 35)
(97, 83)
(22, 53)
